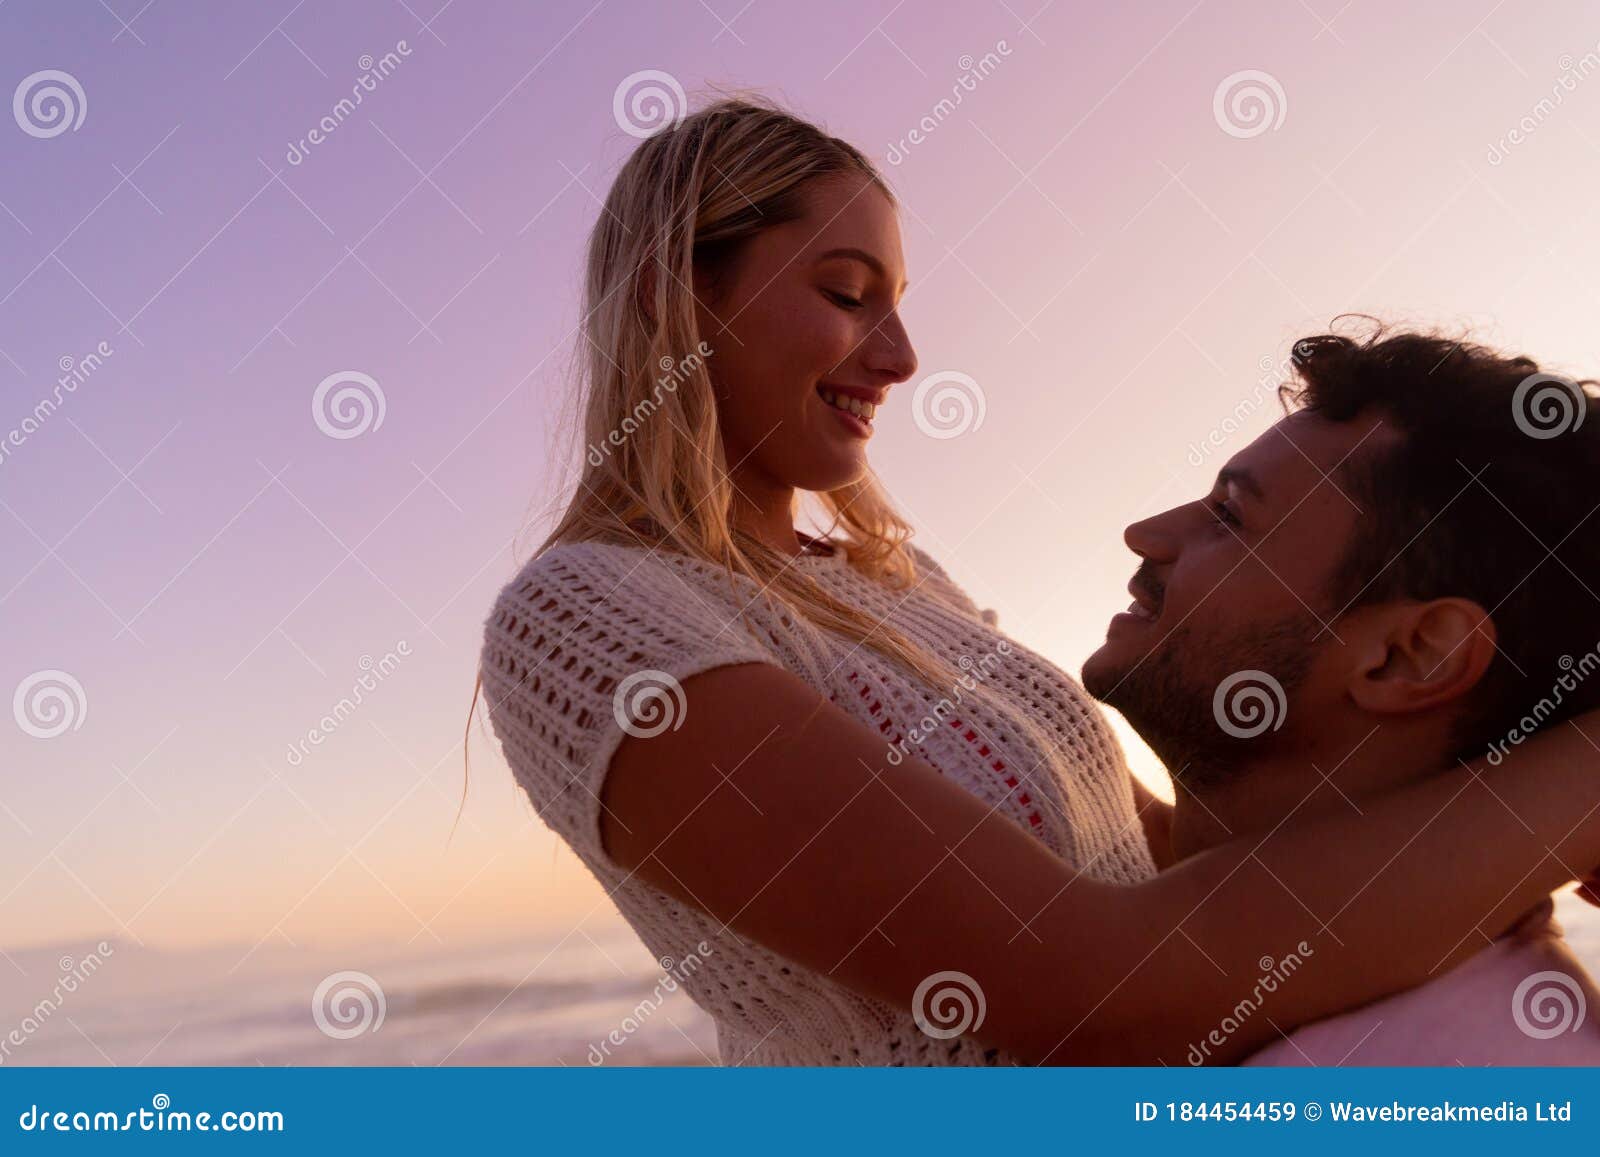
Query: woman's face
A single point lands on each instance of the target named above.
(806, 340)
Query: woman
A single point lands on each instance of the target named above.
(811, 764)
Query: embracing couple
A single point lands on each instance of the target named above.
(1367, 658)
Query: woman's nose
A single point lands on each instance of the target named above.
(892, 353)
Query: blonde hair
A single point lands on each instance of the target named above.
(656, 474)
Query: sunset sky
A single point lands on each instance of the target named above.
(1086, 240)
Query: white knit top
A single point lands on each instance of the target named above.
(578, 638)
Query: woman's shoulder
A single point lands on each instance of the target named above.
(588, 643)
(616, 591)
(606, 570)
(591, 556)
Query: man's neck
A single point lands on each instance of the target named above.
(1256, 796)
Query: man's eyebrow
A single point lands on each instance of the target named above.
(861, 255)
(1243, 478)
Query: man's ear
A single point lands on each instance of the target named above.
(1417, 656)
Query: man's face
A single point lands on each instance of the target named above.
(1239, 581)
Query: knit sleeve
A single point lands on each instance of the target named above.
(947, 587)
(591, 643)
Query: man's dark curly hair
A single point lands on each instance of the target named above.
(1493, 495)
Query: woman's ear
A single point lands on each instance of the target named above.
(1421, 655)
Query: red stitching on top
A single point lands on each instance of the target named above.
(971, 736)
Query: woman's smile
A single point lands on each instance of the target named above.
(854, 406)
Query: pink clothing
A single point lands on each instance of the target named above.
(1523, 1000)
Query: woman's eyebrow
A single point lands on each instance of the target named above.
(852, 253)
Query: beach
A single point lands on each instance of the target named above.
(592, 996)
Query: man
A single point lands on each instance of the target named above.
(1402, 574)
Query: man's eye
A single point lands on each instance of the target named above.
(1224, 513)
(844, 300)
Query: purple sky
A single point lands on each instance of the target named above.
(1086, 241)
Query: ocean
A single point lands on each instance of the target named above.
(593, 997)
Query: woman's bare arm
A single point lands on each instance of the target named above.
(779, 815)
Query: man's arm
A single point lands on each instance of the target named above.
(1156, 816)
(878, 874)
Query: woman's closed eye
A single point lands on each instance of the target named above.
(844, 300)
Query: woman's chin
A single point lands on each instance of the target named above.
(836, 473)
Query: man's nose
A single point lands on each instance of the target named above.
(1152, 538)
